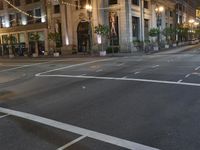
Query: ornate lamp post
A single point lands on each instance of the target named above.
(159, 10)
(89, 13)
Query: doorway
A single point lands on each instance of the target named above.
(83, 36)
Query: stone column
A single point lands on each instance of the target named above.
(64, 25)
(142, 20)
(125, 25)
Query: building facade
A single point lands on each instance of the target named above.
(128, 20)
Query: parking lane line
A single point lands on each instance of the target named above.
(125, 79)
(75, 65)
(72, 142)
(77, 130)
(4, 116)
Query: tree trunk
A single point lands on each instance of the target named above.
(36, 48)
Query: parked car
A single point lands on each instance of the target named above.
(193, 41)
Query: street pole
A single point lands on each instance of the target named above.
(89, 12)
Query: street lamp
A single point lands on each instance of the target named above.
(89, 13)
(159, 10)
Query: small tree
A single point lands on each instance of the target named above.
(103, 31)
(168, 33)
(10, 40)
(35, 37)
(56, 38)
(155, 32)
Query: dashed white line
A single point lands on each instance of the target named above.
(71, 66)
(72, 142)
(121, 64)
(125, 79)
(187, 75)
(136, 73)
(100, 70)
(77, 130)
(4, 116)
(156, 66)
(197, 68)
(20, 67)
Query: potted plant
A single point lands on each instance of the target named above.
(35, 37)
(10, 40)
(56, 38)
(137, 44)
(102, 31)
(168, 33)
(74, 49)
(154, 33)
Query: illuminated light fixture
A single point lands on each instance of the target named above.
(67, 40)
(99, 41)
(88, 7)
(196, 23)
(159, 9)
(191, 21)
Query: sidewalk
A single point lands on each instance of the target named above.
(135, 53)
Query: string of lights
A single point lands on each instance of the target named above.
(23, 12)
(65, 3)
(102, 8)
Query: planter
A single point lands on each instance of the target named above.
(35, 55)
(166, 46)
(102, 53)
(174, 45)
(155, 48)
(11, 56)
(45, 53)
(56, 54)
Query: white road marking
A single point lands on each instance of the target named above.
(77, 130)
(196, 73)
(121, 64)
(72, 142)
(156, 66)
(71, 66)
(136, 72)
(179, 81)
(20, 67)
(4, 116)
(84, 74)
(100, 70)
(187, 75)
(197, 68)
(124, 79)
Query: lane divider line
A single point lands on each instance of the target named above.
(188, 75)
(4, 116)
(75, 65)
(197, 68)
(72, 142)
(77, 130)
(20, 67)
(125, 79)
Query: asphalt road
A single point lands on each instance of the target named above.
(113, 103)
